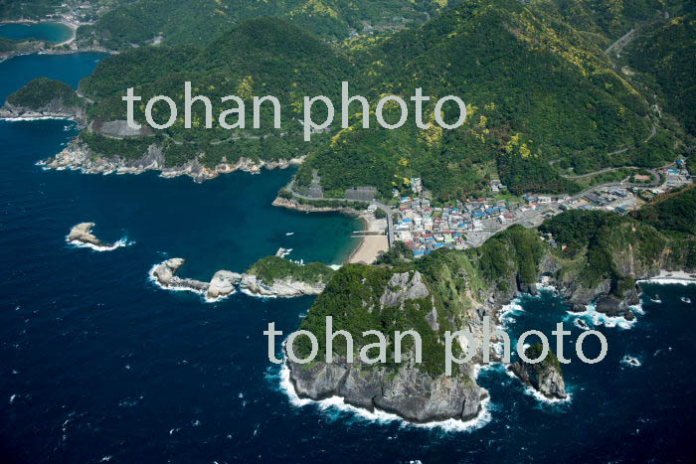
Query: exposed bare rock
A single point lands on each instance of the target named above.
(282, 288)
(223, 283)
(410, 392)
(402, 287)
(120, 129)
(82, 233)
(165, 275)
(546, 376)
(78, 156)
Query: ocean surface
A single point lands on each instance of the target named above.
(100, 365)
(51, 32)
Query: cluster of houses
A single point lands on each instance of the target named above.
(424, 227)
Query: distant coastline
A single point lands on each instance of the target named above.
(39, 46)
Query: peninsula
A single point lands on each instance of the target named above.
(271, 277)
(587, 256)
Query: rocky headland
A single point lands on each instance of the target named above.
(225, 283)
(296, 205)
(44, 98)
(455, 290)
(415, 394)
(79, 156)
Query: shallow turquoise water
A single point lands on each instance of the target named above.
(51, 32)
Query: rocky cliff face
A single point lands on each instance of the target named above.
(408, 392)
(405, 389)
(546, 376)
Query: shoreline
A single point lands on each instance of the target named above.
(76, 157)
(46, 47)
(670, 278)
(72, 25)
(370, 246)
(501, 315)
(379, 416)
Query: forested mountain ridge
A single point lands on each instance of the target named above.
(667, 53)
(201, 21)
(533, 82)
(535, 75)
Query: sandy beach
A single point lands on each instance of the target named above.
(371, 245)
(369, 249)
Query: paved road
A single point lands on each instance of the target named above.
(621, 42)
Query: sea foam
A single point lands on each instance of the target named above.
(121, 243)
(378, 416)
(593, 317)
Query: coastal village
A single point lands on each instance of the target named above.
(424, 227)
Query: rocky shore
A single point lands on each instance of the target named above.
(78, 156)
(546, 377)
(409, 392)
(81, 236)
(406, 389)
(280, 288)
(225, 283)
(413, 394)
(50, 111)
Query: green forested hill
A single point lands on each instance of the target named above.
(264, 56)
(43, 91)
(201, 21)
(668, 52)
(538, 88)
(610, 18)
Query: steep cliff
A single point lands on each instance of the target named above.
(546, 376)
(588, 256)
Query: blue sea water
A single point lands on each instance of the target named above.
(99, 365)
(51, 32)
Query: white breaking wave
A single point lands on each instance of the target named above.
(630, 361)
(638, 309)
(123, 242)
(506, 312)
(37, 118)
(172, 288)
(529, 390)
(382, 417)
(593, 317)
